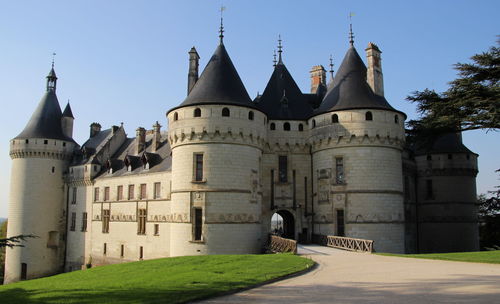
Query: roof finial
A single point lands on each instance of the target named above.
(274, 58)
(351, 34)
(331, 67)
(53, 56)
(221, 30)
(280, 48)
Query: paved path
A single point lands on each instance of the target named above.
(348, 277)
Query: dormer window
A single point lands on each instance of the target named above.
(176, 116)
(197, 112)
(313, 124)
(368, 116)
(250, 115)
(301, 127)
(286, 126)
(225, 112)
(335, 118)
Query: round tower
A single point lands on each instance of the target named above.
(446, 195)
(215, 137)
(357, 140)
(40, 156)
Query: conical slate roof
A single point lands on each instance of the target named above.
(218, 84)
(67, 111)
(350, 90)
(46, 120)
(282, 98)
(444, 143)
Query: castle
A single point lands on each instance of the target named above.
(330, 162)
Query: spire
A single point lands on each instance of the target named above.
(67, 111)
(331, 68)
(280, 49)
(274, 58)
(52, 78)
(221, 29)
(351, 34)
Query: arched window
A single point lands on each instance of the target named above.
(273, 126)
(368, 116)
(301, 127)
(197, 112)
(313, 124)
(396, 119)
(225, 112)
(250, 115)
(286, 126)
(335, 118)
(176, 116)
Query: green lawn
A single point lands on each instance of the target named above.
(476, 257)
(168, 280)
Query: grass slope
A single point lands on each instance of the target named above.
(492, 257)
(168, 280)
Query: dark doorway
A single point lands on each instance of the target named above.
(283, 224)
(340, 222)
(24, 271)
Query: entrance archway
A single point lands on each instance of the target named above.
(283, 224)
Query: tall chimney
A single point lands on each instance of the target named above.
(374, 75)
(94, 129)
(318, 77)
(140, 140)
(193, 68)
(156, 136)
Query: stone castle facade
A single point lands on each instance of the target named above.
(330, 162)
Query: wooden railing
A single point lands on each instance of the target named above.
(349, 243)
(279, 244)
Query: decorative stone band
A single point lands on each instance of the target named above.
(448, 172)
(182, 137)
(431, 204)
(369, 191)
(319, 143)
(212, 190)
(211, 218)
(448, 219)
(40, 154)
(81, 182)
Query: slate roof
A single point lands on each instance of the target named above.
(350, 90)
(282, 98)
(67, 111)
(445, 143)
(219, 83)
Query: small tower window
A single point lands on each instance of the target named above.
(313, 124)
(301, 127)
(450, 156)
(225, 112)
(27, 141)
(45, 142)
(273, 126)
(368, 116)
(335, 118)
(286, 126)
(250, 115)
(468, 156)
(53, 169)
(396, 119)
(176, 116)
(429, 157)
(197, 112)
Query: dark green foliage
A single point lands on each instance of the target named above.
(489, 219)
(3, 234)
(15, 241)
(168, 280)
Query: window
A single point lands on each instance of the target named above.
(283, 168)
(96, 194)
(198, 167)
(197, 112)
(335, 118)
(119, 193)
(368, 116)
(141, 253)
(143, 194)
(105, 248)
(340, 222)
(272, 126)
(250, 115)
(53, 169)
(106, 193)
(286, 126)
(45, 142)
(198, 224)
(122, 251)
(429, 157)
(157, 229)
(141, 221)
(53, 241)
(313, 124)
(339, 170)
(429, 191)
(467, 156)
(64, 144)
(130, 192)
(301, 127)
(73, 221)
(176, 116)
(225, 112)
(396, 119)
(105, 221)
(73, 200)
(27, 141)
(84, 221)
(157, 190)
(450, 156)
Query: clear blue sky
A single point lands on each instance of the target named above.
(126, 61)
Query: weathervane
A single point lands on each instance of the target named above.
(221, 30)
(274, 58)
(53, 55)
(280, 48)
(351, 35)
(331, 67)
